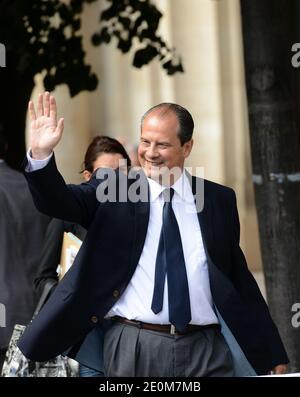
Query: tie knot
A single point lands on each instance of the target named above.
(168, 194)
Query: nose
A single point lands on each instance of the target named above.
(152, 152)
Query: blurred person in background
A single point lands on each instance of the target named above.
(22, 232)
(132, 150)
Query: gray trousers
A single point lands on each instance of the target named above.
(133, 352)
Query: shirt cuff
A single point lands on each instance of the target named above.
(34, 165)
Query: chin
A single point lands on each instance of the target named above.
(156, 173)
(151, 173)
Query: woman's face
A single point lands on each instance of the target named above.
(104, 160)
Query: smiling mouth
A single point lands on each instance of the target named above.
(154, 163)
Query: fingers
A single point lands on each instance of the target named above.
(47, 104)
(40, 108)
(60, 127)
(53, 110)
(31, 111)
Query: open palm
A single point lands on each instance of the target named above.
(45, 131)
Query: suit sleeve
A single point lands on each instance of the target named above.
(52, 196)
(248, 289)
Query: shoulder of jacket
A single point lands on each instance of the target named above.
(216, 189)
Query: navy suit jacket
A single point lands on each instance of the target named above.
(109, 256)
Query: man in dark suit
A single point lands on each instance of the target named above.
(22, 230)
(169, 274)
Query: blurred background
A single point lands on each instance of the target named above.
(207, 35)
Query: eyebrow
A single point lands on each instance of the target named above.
(158, 143)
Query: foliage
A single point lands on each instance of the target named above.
(45, 36)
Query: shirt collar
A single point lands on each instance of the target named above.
(182, 187)
(155, 189)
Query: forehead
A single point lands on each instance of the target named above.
(160, 125)
(108, 157)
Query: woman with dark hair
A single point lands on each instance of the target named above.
(103, 152)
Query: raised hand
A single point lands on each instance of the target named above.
(45, 132)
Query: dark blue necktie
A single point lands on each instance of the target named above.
(170, 261)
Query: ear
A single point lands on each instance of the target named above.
(187, 148)
(87, 175)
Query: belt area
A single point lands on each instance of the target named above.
(167, 328)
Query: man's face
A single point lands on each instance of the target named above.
(160, 145)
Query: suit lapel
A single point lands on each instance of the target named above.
(205, 220)
(142, 213)
(205, 215)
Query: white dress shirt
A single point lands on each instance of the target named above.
(34, 165)
(135, 302)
